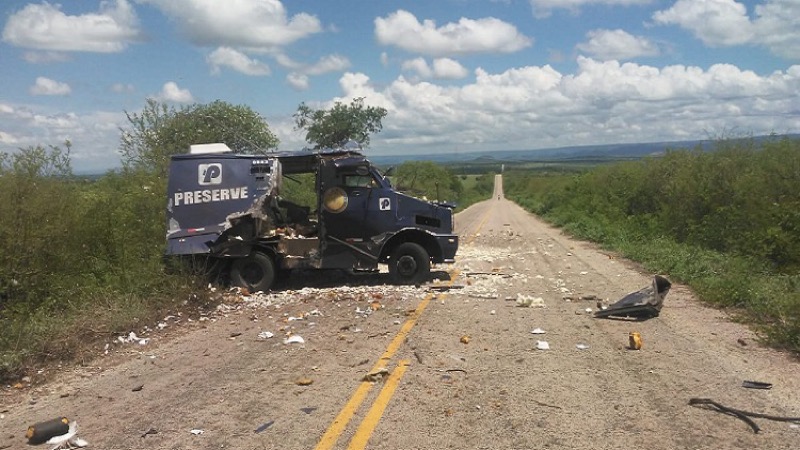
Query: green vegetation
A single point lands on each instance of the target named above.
(426, 179)
(726, 222)
(82, 259)
(331, 128)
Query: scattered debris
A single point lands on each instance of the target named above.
(131, 338)
(537, 331)
(294, 339)
(308, 410)
(582, 347)
(150, 431)
(264, 426)
(743, 415)
(235, 334)
(756, 385)
(742, 342)
(634, 340)
(60, 433)
(137, 388)
(266, 335)
(376, 375)
(305, 381)
(642, 304)
(465, 339)
(527, 301)
(542, 345)
(197, 431)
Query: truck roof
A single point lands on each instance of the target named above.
(302, 161)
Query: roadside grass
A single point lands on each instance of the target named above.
(719, 234)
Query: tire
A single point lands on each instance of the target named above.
(255, 272)
(410, 264)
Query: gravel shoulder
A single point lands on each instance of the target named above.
(223, 376)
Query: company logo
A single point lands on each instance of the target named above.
(385, 204)
(209, 174)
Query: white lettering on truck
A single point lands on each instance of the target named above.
(209, 195)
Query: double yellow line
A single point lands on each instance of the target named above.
(370, 422)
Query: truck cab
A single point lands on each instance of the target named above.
(262, 216)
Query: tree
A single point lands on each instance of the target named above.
(341, 123)
(160, 131)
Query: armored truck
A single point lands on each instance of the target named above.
(230, 209)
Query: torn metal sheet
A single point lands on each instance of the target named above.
(642, 304)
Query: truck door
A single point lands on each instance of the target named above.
(346, 197)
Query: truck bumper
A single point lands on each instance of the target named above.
(449, 245)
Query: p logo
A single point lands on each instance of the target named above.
(209, 174)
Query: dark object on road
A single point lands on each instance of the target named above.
(264, 426)
(642, 304)
(743, 415)
(41, 432)
(756, 385)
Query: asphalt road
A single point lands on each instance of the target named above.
(456, 366)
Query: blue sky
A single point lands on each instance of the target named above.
(455, 75)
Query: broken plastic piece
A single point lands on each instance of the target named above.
(582, 346)
(537, 331)
(197, 432)
(756, 385)
(264, 426)
(643, 304)
(295, 339)
(542, 345)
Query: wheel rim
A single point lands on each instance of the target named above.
(406, 266)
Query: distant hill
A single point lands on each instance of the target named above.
(583, 152)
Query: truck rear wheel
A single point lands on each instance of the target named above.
(255, 272)
(410, 264)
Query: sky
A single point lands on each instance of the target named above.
(455, 75)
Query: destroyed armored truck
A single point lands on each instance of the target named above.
(228, 208)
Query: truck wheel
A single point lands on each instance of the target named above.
(410, 264)
(255, 272)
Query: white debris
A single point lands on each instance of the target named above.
(542, 345)
(527, 301)
(197, 432)
(266, 335)
(537, 331)
(582, 346)
(131, 338)
(294, 339)
(68, 440)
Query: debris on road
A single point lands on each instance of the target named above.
(642, 304)
(743, 415)
(60, 433)
(131, 338)
(150, 431)
(528, 301)
(308, 410)
(756, 385)
(464, 339)
(266, 335)
(582, 347)
(635, 340)
(305, 381)
(542, 345)
(294, 339)
(377, 375)
(197, 431)
(137, 388)
(264, 426)
(537, 331)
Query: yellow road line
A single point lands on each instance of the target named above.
(370, 422)
(341, 421)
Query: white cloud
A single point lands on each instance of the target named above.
(8, 138)
(170, 92)
(238, 61)
(45, 57)
(449, 68)
(720, 23)
(46, 86)
(122, 88)
(443, 68)
(384, 59)
(543, 8)
(617, 44)
(46, 27)
(298, 81)
(602, 102)
(327, 64)
(250, 24)
(488, 35)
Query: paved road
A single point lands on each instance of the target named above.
(461, 366)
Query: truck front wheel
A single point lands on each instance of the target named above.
(410, 264)
(255, 272)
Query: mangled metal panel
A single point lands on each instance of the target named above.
(644, 303)
(210, 194)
